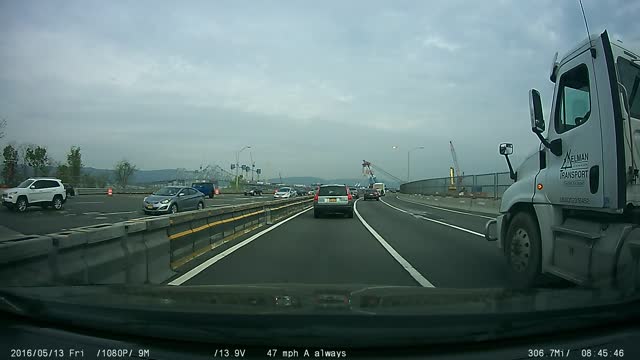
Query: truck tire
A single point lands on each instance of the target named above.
(523, 251)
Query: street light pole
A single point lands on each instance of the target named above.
(409, 161)
(238, 162)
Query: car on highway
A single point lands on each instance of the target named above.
(331, 199)
(172, 199)
(371, 194)
(207, 188)
(43, 192)
(354, 192)
(284, 193)
(253, 192)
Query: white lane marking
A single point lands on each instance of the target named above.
(198, 269)
(120, 213)
(443, 209)
(404, 263)
(101, 218)
(436, 221)
(89, 202)
(92, 213)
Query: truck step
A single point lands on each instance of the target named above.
(574, 232)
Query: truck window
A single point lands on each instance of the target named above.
(629, 74)
(574, 102)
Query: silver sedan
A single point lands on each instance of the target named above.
(171, 199)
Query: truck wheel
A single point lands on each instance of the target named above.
(523, 250)
(316, 214)
(350, 214)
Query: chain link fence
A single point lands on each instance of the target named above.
(490, 185)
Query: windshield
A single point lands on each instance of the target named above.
(167, 191)
(262, 112)
(630, 78)
(25, 184)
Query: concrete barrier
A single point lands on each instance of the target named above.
(480, 205)
(142, 251)
(26, 261)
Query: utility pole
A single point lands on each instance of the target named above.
(238, 162)
(409, 161)
(253, 164)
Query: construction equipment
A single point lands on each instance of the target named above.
(457, 174)
(368, 169)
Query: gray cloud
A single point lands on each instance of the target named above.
(314, 88)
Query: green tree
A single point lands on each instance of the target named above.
(123, 171)
(10, 165)
(74, 164)
(62, 173)
(87, 180)
(101, 181)
(37, 158)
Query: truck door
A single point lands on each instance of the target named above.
(574, 177)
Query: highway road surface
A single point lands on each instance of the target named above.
(85, 210)
(388, 242)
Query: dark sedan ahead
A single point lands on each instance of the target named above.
(171, 199)
(372, 194)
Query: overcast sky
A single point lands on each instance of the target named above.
(314, 87)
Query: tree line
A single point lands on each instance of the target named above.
(23, 161)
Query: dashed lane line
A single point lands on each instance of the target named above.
(435, 221)
(415, 274)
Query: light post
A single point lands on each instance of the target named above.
(238, 161)
(409, 161)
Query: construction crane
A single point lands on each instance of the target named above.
(368, 167)
(456, 173)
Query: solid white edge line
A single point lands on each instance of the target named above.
(437, 221)
(404, 263)
(198, 269)
(443, 209)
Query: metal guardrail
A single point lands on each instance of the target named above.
(141, 251)
(491, 185)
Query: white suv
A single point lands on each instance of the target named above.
(35, 191)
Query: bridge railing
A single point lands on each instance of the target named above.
(490, 185)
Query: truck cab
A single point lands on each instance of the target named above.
(573, 208)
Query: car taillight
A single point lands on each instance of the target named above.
(315, 198)
(349, 196)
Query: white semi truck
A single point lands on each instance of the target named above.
(574, 208)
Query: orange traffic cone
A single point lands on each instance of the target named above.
(110, 192)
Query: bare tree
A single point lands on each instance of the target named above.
(124, 169)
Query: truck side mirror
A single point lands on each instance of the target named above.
(535, 109)
(506, 149)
